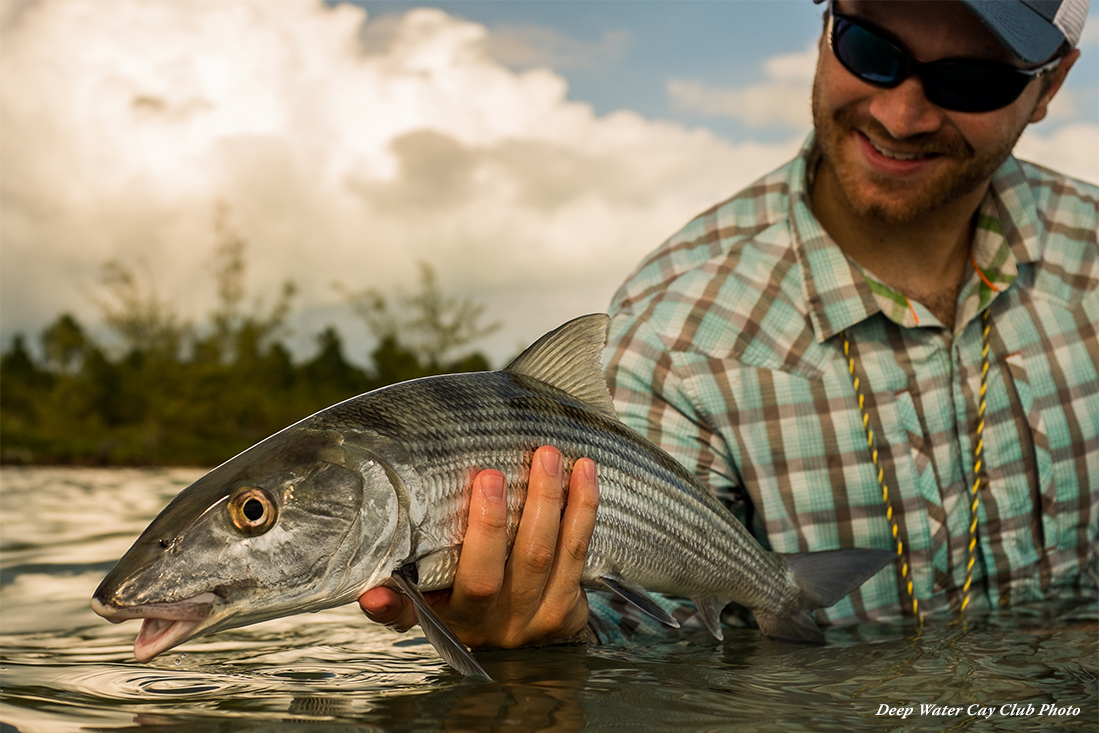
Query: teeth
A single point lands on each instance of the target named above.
(894, 154)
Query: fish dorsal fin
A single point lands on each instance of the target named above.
(570, 359)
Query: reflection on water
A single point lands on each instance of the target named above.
(64, 669)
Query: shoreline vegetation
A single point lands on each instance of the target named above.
(165, 392)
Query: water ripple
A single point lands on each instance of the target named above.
(64, 669)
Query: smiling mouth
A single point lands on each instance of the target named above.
(164, 625)
(900, 156)
(896, 154)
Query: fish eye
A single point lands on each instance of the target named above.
(252, 510)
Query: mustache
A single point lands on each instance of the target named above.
(945, 141)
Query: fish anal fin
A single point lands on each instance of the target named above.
(453, 651)
(570, 359)
(709, 610)
(799, 627)
(639, 598)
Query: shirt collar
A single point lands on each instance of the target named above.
(1014, 208)
(839, 293)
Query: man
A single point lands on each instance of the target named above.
(890, 342)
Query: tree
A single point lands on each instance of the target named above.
(64, 343)
(328, 375)
(22, 383)
(237, 334)
(175, 393)
(135, 312)
(427, 324)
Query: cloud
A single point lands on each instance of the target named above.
(1073, 150)
(1067, 105)
(344, 148)
(782, 100)
(1090, 36)
(533, 46)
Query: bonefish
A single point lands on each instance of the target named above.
(375, 490)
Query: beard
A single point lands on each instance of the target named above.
(900, 202)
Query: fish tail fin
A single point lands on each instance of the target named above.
(823, 578)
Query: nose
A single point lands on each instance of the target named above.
(905, 111)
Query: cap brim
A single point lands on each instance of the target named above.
(1026, 34)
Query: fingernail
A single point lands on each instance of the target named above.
(589, 470)
(551, 461)
(492, 486)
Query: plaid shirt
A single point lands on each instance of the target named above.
(726, 349)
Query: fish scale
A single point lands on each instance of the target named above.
(376, 490)
(657, 524)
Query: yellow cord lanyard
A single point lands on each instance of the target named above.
(974, 495)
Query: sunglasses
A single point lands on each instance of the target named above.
(962, 85)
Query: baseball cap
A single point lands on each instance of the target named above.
(1032, 30)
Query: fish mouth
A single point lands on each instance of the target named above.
(164, 625)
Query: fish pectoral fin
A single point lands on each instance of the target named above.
(709, 610)
(638, 597)
(453, 651)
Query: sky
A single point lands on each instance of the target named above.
(533, 152)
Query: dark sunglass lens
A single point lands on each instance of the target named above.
(872, 59)
(972, 87)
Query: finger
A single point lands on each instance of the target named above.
(577, 523)
(564, 601)
(480, 573)
(536, 539)
(386, 606)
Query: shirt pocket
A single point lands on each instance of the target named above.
(909, 428)
(1046, 452)
(923, 520)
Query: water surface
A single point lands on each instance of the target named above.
(62, 668)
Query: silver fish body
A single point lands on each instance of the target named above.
(657, 526)
(376, 490)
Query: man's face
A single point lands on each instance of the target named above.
(895, 155)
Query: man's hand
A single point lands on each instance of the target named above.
(532, 597)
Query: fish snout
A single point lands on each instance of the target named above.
(191, 609)
(111, 613)
(164, 625)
